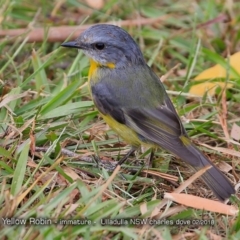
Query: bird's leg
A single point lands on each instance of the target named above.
(123, 159)
(111, 167)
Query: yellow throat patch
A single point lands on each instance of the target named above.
(95, 65)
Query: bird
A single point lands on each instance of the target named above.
(134, 103)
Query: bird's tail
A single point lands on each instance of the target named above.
(163, 128)
(213, 177)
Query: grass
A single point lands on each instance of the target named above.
(45, 103)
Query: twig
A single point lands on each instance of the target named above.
(60, 34)
(68, 153)
(170, 72)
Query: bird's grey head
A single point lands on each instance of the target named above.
(108, 45)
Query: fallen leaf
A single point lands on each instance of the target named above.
(96, 4)
(235, 132)
(222, 150)
(143, 208)
(161, 175)
(201, 203)
(224, 167)
(70, 208)
(71, 173)
(173, 211)
(215, 72)
(32, 164)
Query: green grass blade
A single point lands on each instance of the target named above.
(20, 170)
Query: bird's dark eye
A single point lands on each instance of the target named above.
(99, 46)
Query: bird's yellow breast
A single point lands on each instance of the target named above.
(122, 130)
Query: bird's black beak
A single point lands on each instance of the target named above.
(72, 44)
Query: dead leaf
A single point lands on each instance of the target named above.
(214, 72)
(161, 175)
(96, 4)
(70, 208)
(74, 194)
(201, 203)
(190, 180)
(224, 167)
(143, 208)
(222, 150)
(235, 132)
(174, 210)
(32, 164)
(9, 98)
(71, 173)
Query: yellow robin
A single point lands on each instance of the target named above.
(134, 103)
